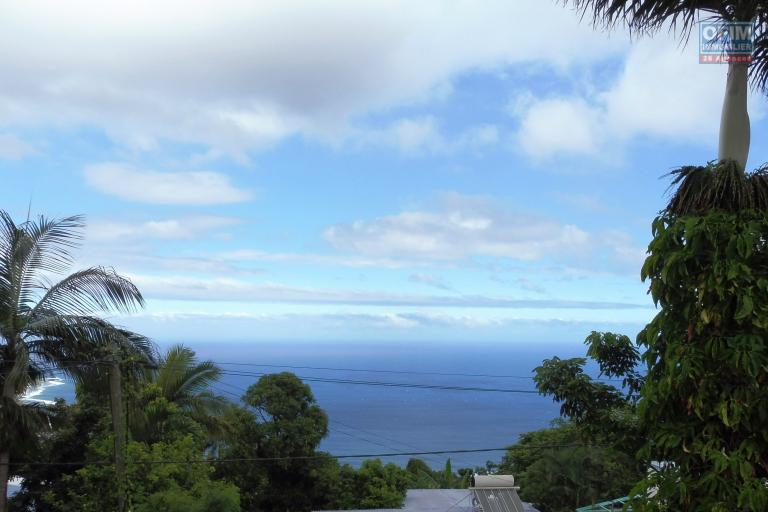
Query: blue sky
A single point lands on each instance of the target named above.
(362, 171)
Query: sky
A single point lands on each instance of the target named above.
(375, 170)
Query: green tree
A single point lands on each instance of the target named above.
(558, 471)
(604, 413)
(374, 485)
(283, 422)
(71, 428)
(82, 432)
(705, 403)
(152, 485)
(420, 475)
(594, 454)
(44, 325)
(178, 383)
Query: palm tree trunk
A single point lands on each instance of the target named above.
(118, 426)
(5, 453)
(734, 121)
(5, 459)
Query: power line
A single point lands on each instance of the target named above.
(410, 385)
(336, 369)
(368, 370)
(390, 384)
(339, 431)
(297, 458)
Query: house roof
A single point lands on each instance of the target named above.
(439, 500)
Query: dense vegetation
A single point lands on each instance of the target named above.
(590, 455)
(147, 431)
(694, 419)
(261, 455)
(705, 403)
(279, 422)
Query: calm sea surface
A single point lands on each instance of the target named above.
(374, 419)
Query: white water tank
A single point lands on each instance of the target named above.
(493, 481)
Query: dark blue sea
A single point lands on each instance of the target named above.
(376, 419)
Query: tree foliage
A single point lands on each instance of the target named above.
(283, 420)
(45, 324)
(571, 474)
(173, 487)
(374, 485)
(705, 401)
(590, 454)
(604, 413)
(179, 382)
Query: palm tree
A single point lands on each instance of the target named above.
(46, 325)
(644, 16)
(180, 379)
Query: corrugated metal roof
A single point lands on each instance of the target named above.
(498, 500)
(439, 500)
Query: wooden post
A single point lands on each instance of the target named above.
(118, 427)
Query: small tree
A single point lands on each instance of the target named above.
(283, 423)
(46, 325)
(705, 401)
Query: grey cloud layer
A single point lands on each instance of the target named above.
(272, 68)
(186, 288)
(462, 227)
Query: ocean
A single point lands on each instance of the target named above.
(387, 417)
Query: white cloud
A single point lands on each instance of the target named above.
(424, 135)
(520, 282)
(413, 134)
(461, 228)
(183, 228)
(661, 91)
(238, 75)
(174, 287)
(357, 327)
(429, 280)
(13, 148)
(340, 260)
(559, 126)
(148, 186)
(626, 252)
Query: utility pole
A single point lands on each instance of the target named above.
(118, 427)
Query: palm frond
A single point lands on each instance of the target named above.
(8, 234)
(649, 15)
(81, 345)
(181, 375)
(50, 242)
(20, 420)
(90, 291)
(681, 16)
(44, 246)
(758, 70)
(717, 186)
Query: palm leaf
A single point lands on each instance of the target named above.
(180, 374)
(717, 186)
(45, 246)
(20, 420)
(89, 291)
(681, 16)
